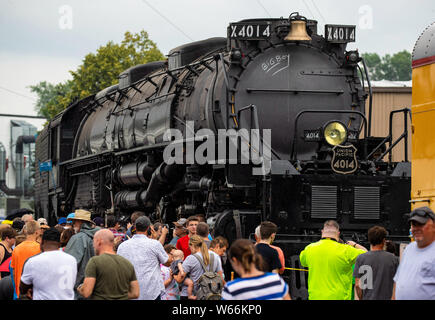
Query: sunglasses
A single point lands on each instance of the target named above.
(423, 214)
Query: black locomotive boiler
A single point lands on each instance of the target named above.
(105, 152)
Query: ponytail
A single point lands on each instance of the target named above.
(205, 254)
(198, 242)
(247, 259)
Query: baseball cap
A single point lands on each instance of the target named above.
(98, 221)
(51, 235)
(42, 221)
(181, 222)
(422, 215)
(61, 220)
(142, 223)
(70, 217)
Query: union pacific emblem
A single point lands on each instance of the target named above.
(344, 159)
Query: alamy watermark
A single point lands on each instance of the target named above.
(366, 280)
(65, 279)
(366, 17)
(244, 147)
(66, 17)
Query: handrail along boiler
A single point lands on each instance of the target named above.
(105, 152)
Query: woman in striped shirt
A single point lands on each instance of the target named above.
(253, 284)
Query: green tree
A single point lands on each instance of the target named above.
(50, 97)
(373, 62)
(98, 71)
(395, 68)
(402, 64)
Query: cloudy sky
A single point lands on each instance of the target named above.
(44, 39)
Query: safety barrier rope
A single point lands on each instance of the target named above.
(295, 269)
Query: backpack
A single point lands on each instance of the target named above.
(210, 284)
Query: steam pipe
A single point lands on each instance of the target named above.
(13, 192)
(135, 199)
(21, 140)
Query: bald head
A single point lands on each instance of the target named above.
(105, 235)
(103, 241)
(331, 229)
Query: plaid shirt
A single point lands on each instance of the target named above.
(117, 234)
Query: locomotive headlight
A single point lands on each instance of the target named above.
(335, 133)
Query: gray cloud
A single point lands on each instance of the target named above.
(30, 28)
(33, 26)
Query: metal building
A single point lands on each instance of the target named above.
(389, 96)
(17, 150)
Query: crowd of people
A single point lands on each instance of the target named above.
(106, 259)
(378, 274)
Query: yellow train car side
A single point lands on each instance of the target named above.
(423, 121)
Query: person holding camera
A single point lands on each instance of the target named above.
(179, 230)
(159, 231)
(146, 255)
(330, 264)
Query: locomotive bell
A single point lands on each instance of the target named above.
(335, 133)
(298, 28)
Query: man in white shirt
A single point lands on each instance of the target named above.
(146, 255)
(51, 274)
(415, 277)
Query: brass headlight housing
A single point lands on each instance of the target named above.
(335, 133)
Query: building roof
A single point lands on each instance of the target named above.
(389, 83)
(390, 86)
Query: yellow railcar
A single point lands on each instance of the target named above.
(423, 120)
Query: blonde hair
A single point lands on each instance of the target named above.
(178, 254)
(31, 227)
(198, 242)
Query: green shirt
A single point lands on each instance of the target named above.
(329, 269)
(113, 275)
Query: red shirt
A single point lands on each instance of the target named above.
(183, 245)
(281, 258)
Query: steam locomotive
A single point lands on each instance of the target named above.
(303, 95)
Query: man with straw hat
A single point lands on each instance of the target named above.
(80, 246)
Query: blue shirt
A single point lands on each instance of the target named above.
(174, 241)
(415, 277)
(269, 286)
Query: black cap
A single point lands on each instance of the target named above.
(51, 235)
(18, 224)
(421, 215)
(142, 223)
